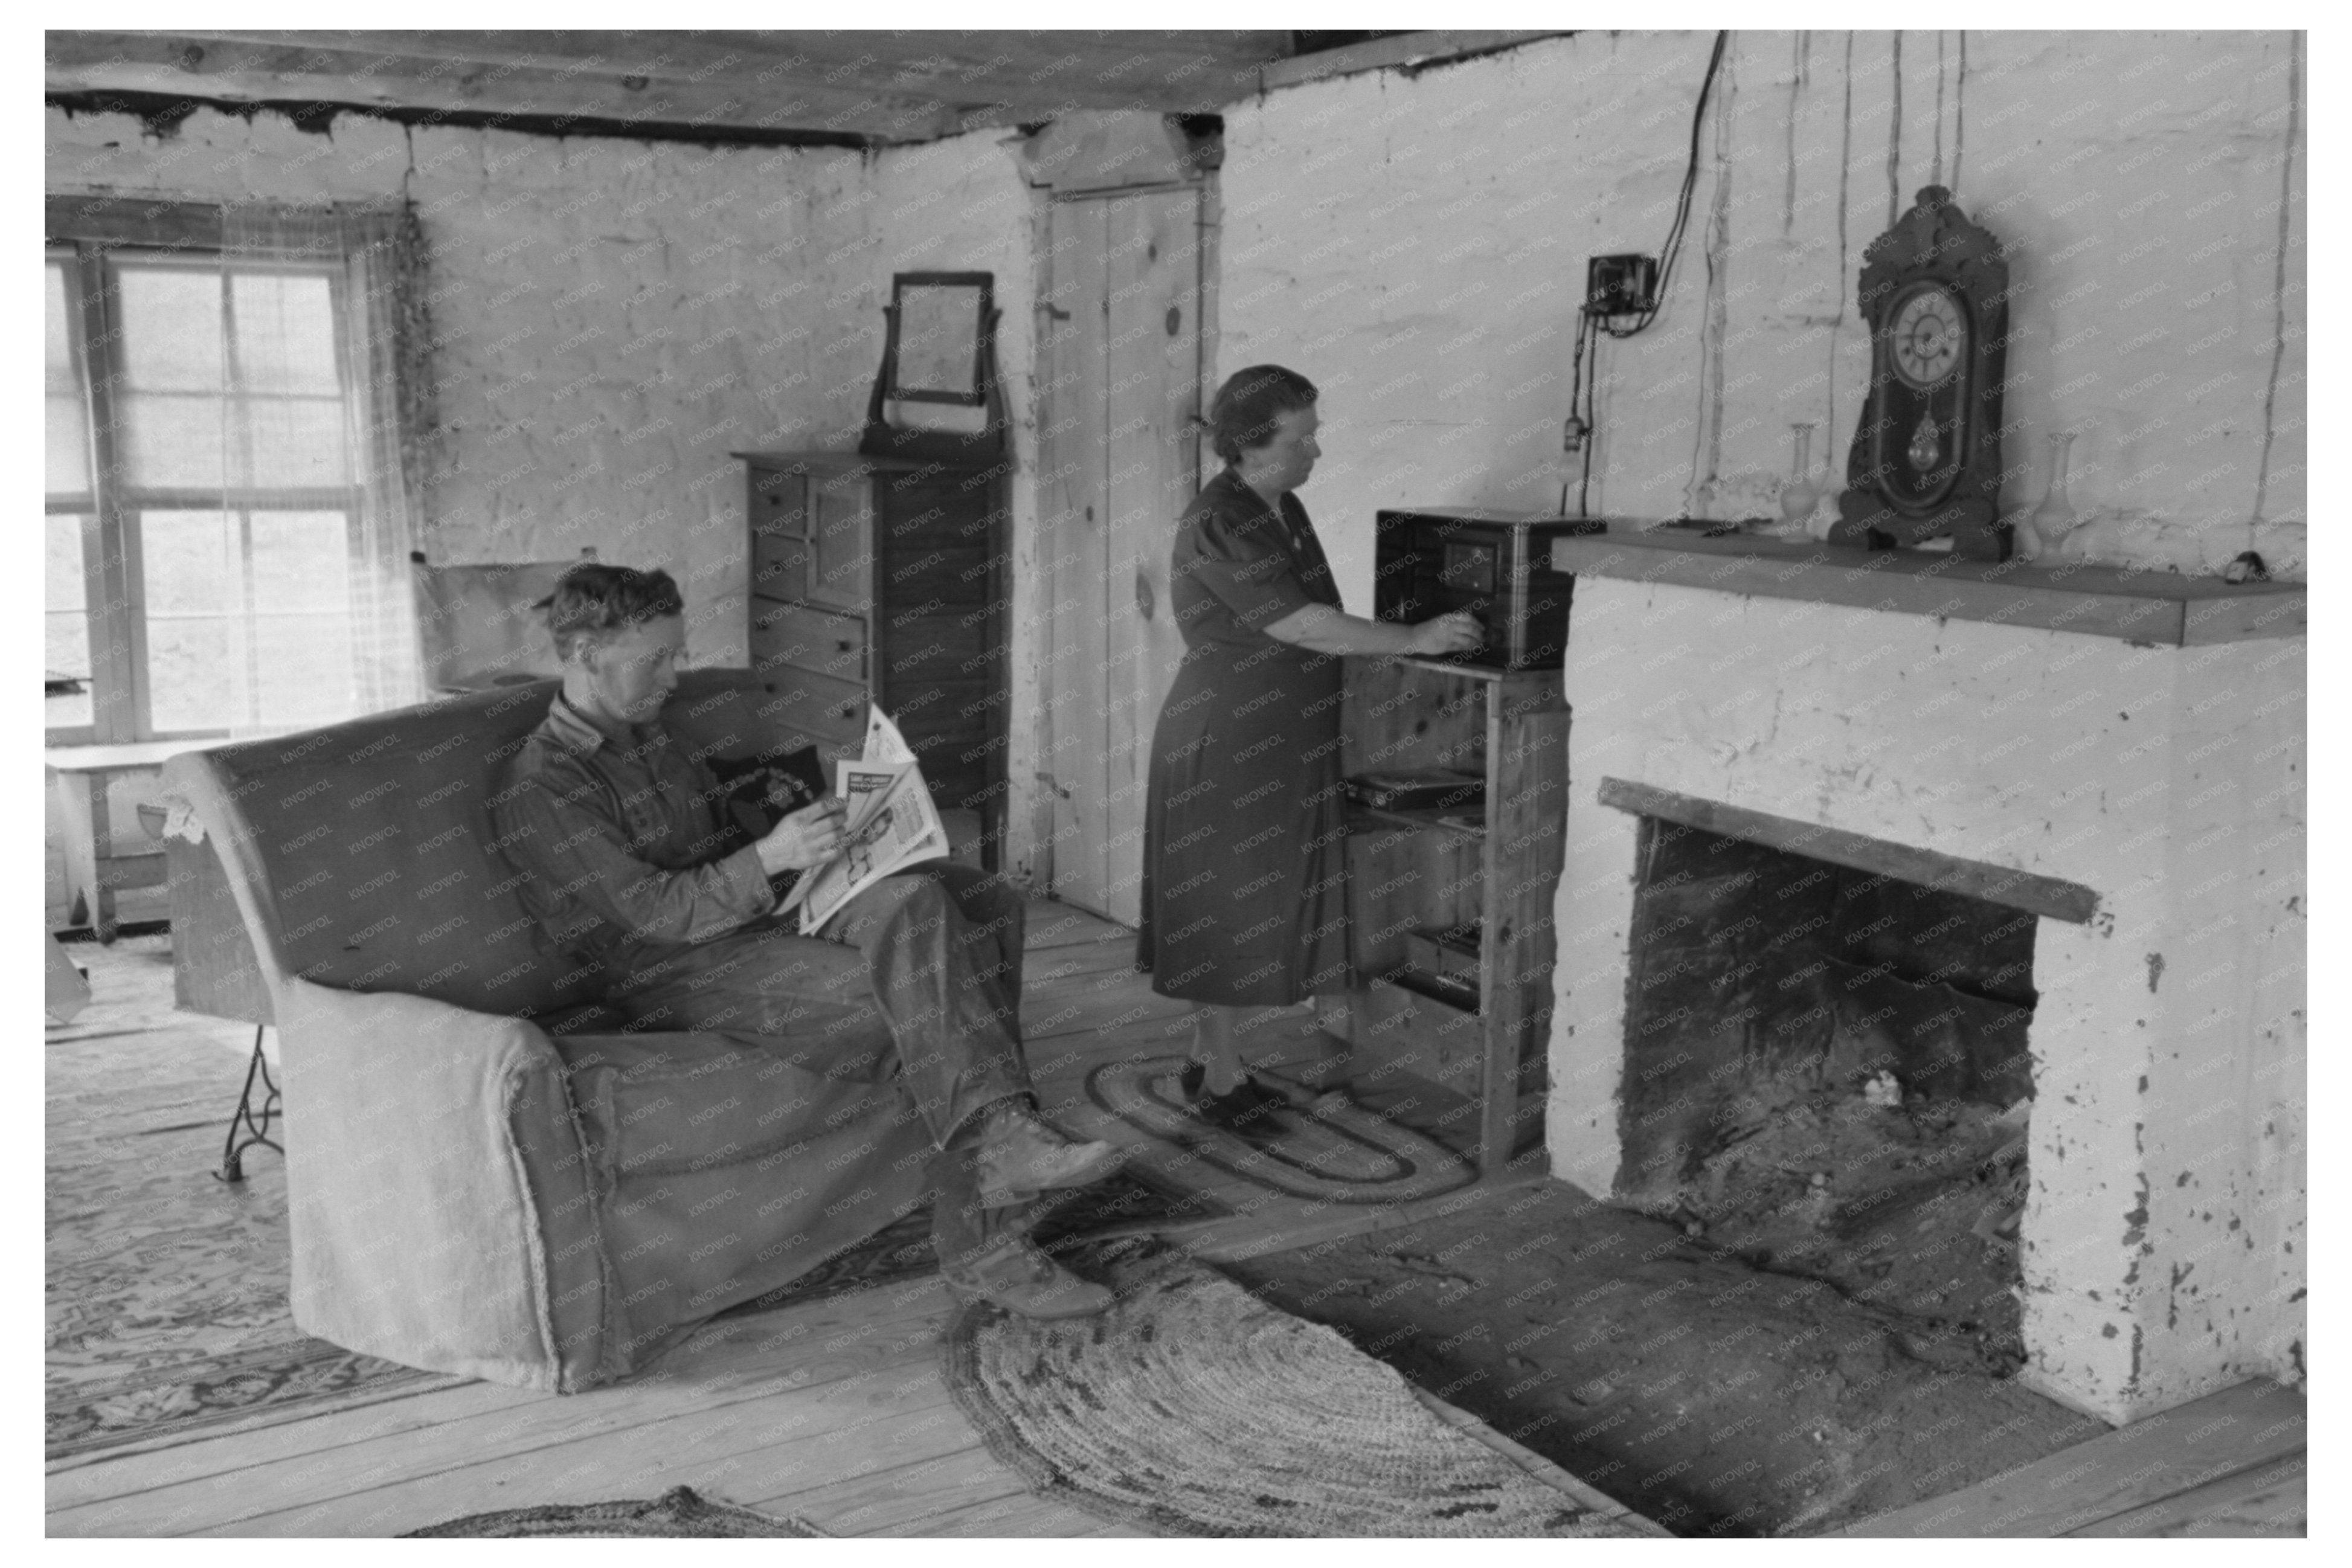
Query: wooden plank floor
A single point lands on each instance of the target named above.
(2231, 1464)
(835, 1411)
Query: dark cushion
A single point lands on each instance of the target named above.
(382, 863)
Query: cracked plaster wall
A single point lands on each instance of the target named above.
(1415, 244)
(612, 317)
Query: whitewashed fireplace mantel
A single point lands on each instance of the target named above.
(2139, 734)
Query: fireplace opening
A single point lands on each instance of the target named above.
(1827, 1074)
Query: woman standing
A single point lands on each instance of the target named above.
(1244, 835)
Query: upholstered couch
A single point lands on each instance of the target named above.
(483, 1176)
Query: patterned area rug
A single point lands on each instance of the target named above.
(167, 1317)
(1331, 1149)
(1192, 1408)
(166, 1314)
(681, 1510)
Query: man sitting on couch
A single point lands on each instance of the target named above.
(633, 863)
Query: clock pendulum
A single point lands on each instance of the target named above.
(1924, 447)
(1926, 459)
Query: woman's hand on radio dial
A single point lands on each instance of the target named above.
(1456, 633)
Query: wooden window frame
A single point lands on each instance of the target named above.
(88, 233)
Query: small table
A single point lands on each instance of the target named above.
(214, 972)
(213, 966)
(94, 867)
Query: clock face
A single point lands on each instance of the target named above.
(1926, 337)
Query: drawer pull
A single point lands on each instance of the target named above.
(844, 646)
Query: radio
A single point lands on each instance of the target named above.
(1495, 564)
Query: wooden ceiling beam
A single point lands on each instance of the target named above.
(277, 71)
(1166, 71)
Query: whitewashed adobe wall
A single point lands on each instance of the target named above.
(613, 316)
(1416, 246)
(2165, 1237)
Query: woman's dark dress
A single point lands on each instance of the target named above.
(1244, 834)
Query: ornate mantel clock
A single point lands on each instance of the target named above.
(1926, 454)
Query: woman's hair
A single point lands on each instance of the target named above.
(592, 599)
(1246, 409)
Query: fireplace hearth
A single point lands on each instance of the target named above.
(1918, 914)
(1757, 973)
(1826, 1072)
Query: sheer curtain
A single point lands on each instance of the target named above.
(286, 603)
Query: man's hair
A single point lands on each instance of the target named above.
(593, 599)
(1246, 410)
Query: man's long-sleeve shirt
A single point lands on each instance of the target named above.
(626, 849)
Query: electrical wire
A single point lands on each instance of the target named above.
(1587, 380)
(1672, 248)
(1583, 422)
(1579, 426)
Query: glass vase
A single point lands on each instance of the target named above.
(2054, 518)
(1799, 495)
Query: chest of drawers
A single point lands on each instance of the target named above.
(884, 580)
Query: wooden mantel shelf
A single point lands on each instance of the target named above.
(2161, 609)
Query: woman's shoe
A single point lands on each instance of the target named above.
(1247, 1108)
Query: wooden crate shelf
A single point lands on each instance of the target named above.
(1367, 818)
(1407, 870)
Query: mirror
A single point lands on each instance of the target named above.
(937, 320)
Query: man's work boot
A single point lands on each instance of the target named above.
(1015, 1276)
(1020, 1156)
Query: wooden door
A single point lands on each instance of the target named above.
(1122, 347)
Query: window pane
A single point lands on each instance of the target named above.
(56, 339)
(301, 561)
(174, 439)
(189, 562)
(195, 600)
(65, 451)
(303, 667)
(67, 621)
(217, 658)
(297, 441)
(63, 587)
(171, 328)
(190, 663)
(285, 331)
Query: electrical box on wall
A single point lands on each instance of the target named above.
(1621, 285)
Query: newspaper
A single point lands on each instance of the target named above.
(888, 821)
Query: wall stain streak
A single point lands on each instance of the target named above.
(1845, 181)
(1717, 326)
(2278, 281)
(1894, 143)
(1960, 108)
(1804, 48)
(1937, 177)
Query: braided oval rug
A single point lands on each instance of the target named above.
(1192, 1408)
(679, 1512)
(1331, 1149)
